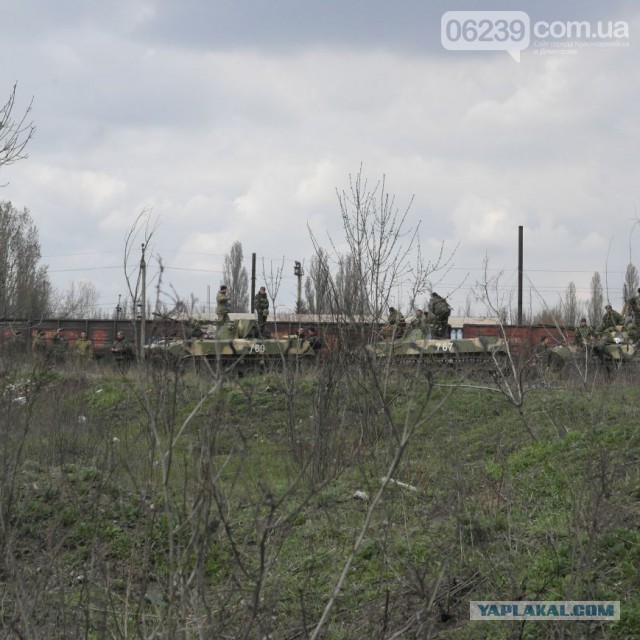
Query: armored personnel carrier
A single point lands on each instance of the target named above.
(238, 342)
(616, 347)
(482, 353)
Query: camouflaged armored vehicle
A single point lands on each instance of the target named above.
(614, 348)
(238, 341)
(482, 353)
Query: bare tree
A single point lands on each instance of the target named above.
(351, 295)
(78, 301)
(24, 286)
(571, 306)
(340, 292)
(468, 306)
(550, 315)
(273, 280)
(373, 228)
(596, 302)
(510, 380)
(236, 278)
(384, 251)
(317, 285)
(15, 133)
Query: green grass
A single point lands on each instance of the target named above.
(243, 520)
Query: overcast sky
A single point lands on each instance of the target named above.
(237, 120)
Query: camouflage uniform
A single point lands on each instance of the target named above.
(610, 320)
(314, 340)
(419, 322)
(83, 348)
(633, 307)
(439, 312)
(195, 330)
(122, 350)
(396, 324)
(261, 305)
(223, 305)
(60, 345)
(584, 334)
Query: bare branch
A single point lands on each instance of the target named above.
(15, 133)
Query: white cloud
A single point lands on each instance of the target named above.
(249, 143)
(90, 191)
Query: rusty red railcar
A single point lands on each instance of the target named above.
(101, 332)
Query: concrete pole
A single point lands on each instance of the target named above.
(520, 270)
(143, 302)
(253, 282)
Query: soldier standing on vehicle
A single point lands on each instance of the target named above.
(261, 305)
(223, 305)
(439, 312)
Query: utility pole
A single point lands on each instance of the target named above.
(520, 271)
(297, 271)
(143, 302)
(253, 281)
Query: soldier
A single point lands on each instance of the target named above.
(223, 305)
(83, 348)
(60, 345)
(396, 324)
(197, 332)
(419, 321)
(610, 319)
(314, 340)
(584, 334)
(39, 346)
(122, 350)
(261, 305)
(439, 312)
(394, 317)
(632, 307)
